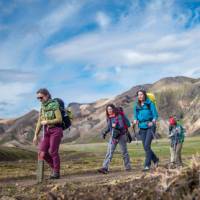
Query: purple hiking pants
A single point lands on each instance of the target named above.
(49, 147)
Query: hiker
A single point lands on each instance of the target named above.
(176, 135)
(145, 116)
(51, 119)
(116, 126)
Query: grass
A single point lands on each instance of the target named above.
(13, 154)
(81, 158)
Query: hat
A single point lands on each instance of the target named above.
(172, 121)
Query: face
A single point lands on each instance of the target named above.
(141, 96)
(110, 110)
(42, 98)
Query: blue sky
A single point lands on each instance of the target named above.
(84, 50)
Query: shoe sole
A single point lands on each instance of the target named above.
(102, 172)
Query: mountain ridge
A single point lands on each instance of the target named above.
(175, 95)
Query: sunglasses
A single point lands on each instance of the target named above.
(40, 98)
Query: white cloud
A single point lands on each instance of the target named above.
(145, 44)
(11, 94)
(103, 20)
(20, 51)
(59, 18)
(146, 40)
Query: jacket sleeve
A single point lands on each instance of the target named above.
(127, 121)
(38, 126)
(154, 111)
(135, 112)
(107, 129)
(57, 120)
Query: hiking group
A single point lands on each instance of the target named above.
(53, 119)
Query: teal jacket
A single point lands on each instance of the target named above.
(144, 114)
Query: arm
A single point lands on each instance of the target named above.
(127, 121)
(154, 111)
(38, 127)
(57, 120)
(135, 111)
(105, 130)
(135, 114)
(37, 130)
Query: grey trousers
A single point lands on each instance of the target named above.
(110, 151)
(176, 154)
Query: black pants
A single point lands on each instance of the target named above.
(146, 137)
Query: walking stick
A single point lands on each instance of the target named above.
(40, 167)
(154, 133)
(134, 132)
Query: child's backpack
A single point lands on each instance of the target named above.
(66, 114)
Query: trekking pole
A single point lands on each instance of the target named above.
(134, 132)
(40, 167)
(154, 135)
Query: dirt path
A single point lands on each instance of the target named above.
(91, 177)
(118, 184)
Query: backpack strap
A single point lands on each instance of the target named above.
(139, 107)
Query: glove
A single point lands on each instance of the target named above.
(103, 134)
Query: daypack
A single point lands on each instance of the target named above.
(152, 97)
(125, 119)
(66, 114)
(127, 124)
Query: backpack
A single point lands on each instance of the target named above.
(66, 115)
(152, 97)
(126, 121)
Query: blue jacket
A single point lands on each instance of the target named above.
(145, 113)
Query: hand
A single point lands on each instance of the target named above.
(150, 124)
(104, 136)
(44, 122)
(135, 122)
(132, 124)
(35, 140)
(113, 125)
(154, 121)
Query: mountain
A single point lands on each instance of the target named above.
(175, 95)
(18, 131)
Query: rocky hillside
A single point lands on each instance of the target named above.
(18, 131)
(177, 95)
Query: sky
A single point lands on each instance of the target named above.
(85, 50)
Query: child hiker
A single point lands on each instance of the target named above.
(116, 126)
(176, 135)
(50, 117)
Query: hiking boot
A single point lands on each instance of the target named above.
(55, 175)
(146, 169)
(128, 169)
(172, 165)
(103, 171)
